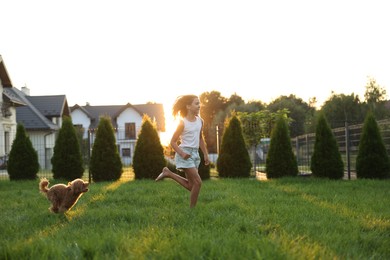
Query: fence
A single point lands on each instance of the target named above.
(347, 137)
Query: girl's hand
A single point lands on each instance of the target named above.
(185, 156)
(206, 160)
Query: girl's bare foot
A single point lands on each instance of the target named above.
(163, 174)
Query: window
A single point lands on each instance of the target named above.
(126, 152)
(129, 130)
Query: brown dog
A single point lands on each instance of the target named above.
(63, 197)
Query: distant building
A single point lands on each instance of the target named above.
(7, 116)
(41, 117)
(126, 120)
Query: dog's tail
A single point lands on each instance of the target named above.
(43, 185)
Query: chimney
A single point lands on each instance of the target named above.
(26, 90)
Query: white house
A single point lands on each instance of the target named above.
(126, 120)
(41, 117)
(7, 116)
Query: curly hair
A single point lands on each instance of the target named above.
(180, 106)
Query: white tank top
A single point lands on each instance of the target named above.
(191, 133)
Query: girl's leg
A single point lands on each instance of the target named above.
(166, 173)
(195, 183)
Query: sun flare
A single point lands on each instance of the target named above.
(170, 124)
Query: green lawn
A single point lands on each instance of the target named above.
(301, 218)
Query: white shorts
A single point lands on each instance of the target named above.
(192, 162)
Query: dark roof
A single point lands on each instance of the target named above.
(5, 80)
(10, 96)
(51, 106)
(38, 111)
(154, 111)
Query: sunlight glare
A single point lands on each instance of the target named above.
(170, 124)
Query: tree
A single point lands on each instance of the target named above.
(339, 108)
(300, 111)
(257, 125)
(67, 160)
(372, 160)
(203, 170)
(233, 159)
(212, 104)
(105, 164)
(23, 159)
(375, 97)
(326, 159)
(148, 158)
(281, 160)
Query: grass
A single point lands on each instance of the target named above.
(292, 218)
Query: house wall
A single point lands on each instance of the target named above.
(7, 132)
(43, 142)
(129, 115)
(7, 128)
(80, 118)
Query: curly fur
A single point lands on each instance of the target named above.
(63, 197)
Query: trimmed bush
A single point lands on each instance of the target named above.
(105, 164)
(281, 160)
(372, 160)
(204, 170)
(67, 160)
(23, 159)
(148, 160)
(233, 159)
(326, 159)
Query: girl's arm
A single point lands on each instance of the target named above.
(175, 138)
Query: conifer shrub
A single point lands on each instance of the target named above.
(23, 159)
(281, 161)
(148, 160)
(105, 163)
(372, 160)
(326, 159)
(203, 170)
(67, 160)
(233, 160)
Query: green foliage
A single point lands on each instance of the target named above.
(257, 125)
(375, 97)
(148, 160)
(281, 160)
(105, 164)
(67, 160)
(326, 159)
(299, 111)
(341, 107)
(23, 159)
(203, 170)
(233, 159)
(372, 160)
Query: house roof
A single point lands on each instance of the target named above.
(38, 110)
(5, 79)
(10, 96)
(154, 111)
(51, 106)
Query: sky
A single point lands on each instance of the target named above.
(118, 52)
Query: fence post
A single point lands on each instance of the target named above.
(89, 155)
(297, 151)
(347, 149)
(307, 152)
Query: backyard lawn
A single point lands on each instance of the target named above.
(288, 218)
